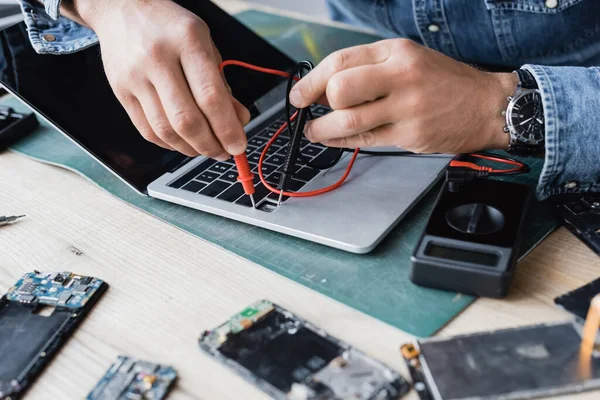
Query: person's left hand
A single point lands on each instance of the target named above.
(398, 93)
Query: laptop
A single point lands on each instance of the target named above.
(71, 93)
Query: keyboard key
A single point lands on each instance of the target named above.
(294, 185)
(207, 176)
(275, 160)
(250, 149)
(306, 174)
(230, 176)
(275, 197)
(268, 133)
(194, 186)
(253, 158)
(277, 124)
(266, 169)
(188, 176)
(326, 157)
(220, 167)
(304, 143)
(274, 178)
(230, 161)
(257, 141)
(215, 188)
(232, 194)
(260, 192)
(281, 141)
(311, 151)
(319, 111)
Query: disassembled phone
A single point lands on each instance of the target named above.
(578, 301)
(581, 215)
(131, 379)
(288, 358)
(522, 363)
(31, 332)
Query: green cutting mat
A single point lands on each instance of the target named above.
(376, 283)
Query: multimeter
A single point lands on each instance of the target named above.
(472, 239)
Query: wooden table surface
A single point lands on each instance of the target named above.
(167, 286)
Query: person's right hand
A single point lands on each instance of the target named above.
(163, 67)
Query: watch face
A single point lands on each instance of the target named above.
(526, 117)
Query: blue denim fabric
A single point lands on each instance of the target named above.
(559, 45)
(50, 35)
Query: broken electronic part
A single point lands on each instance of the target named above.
(518, 363)
(578, 301)
(130, 379)
(29, 338)
(291, 359)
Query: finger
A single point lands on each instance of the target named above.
(385, 135)
(241, 111)
(138, 118)
(183, 113)
(313, 85)
(155, 114)
(213, 98)
(349, 121)
(356, 86)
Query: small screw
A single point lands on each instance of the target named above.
(595, 204)
(73, 316)
(43, 354)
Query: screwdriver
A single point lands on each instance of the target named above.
(10, 219)
(245, 176)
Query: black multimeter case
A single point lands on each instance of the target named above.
(472, 239)
(15, 125)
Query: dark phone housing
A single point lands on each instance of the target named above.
(29, 341)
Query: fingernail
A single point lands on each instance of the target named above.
(296, 97)
(236, 148)
(223, 157)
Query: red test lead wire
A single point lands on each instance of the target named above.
(246, 177)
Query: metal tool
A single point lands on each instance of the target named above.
(5, 220)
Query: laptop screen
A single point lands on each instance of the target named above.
(73, 93)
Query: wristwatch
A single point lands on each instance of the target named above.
(525, 118)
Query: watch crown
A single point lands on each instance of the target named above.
(509, 98)
(505, 129)
(504, 113)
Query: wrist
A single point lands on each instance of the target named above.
(502, 85)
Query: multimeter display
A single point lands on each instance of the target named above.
(456, 254)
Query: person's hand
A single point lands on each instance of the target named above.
(398, 93)
(163, 67)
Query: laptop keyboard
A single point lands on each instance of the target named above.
(218, 179)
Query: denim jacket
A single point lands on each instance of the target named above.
(557, 40)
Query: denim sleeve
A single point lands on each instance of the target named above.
(571, 100)
(50, 33)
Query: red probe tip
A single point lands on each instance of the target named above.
(245, 176)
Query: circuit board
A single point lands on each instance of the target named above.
(131, 379)
(54, 289)
(288, 358)
(37, 316)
